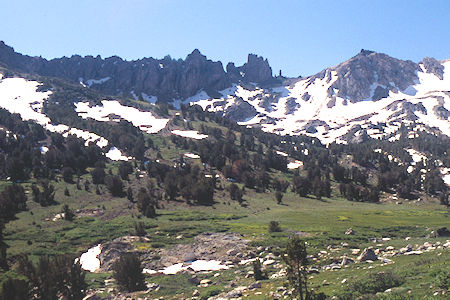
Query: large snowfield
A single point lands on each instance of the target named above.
(337, 116)
(145, 120)
(18, 95)
(21, 96)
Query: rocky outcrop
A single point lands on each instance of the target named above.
(433, 66)
(441, 232)
(240, 111)
(256, 69)
(368, 254)
(165, 78)
(369, 75)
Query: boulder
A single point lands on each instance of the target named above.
(441, 232)
(350, 231)
(346, 261)
(269, 262)
(368, 254)
(237, 292)
(405, 249)
(205, 282)
(255, 285)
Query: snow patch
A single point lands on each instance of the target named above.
(282, 153)
(295, 165)
(196, 266)
(416, 156)
(89, 260)
(193, 134)
(192, 155)
(116, 154)
(44, 149)
(18, 95)
(144, 120)
(91, 82)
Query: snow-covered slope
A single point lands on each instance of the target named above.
(114, 111)
(21, 96)
(316, 106)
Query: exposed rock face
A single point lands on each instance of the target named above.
(165, 78)
(431, 65)
(256, 69)
(367, 70)
(368, 254)
(240, 111)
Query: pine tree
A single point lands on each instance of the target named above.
(127, 271)
(68, 213)
(3, 246)
(15, 289)
(278, 196)
(296, 261)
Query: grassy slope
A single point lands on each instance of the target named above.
(35, 233)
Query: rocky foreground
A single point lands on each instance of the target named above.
(234, 252)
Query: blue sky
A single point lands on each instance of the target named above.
(298, 37)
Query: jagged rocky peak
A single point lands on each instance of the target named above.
(166, 78)
(370, 76)
(256, 69)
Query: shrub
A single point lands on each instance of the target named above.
(15, 289)
(53, 277)
(139, 229)
(442, 279)
(114, 185)
(278, 196)
(235, 192)
(68, 213)
(257, 271)
(127, 271)
(274, 226)
(374, 283)
(67, 174)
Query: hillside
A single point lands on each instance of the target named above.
(89, 173)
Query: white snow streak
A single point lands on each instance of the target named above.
(193, 134)
(144, 120)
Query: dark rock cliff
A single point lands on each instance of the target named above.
(165, 78)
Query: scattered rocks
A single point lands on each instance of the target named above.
(153, 287)
(224, 247)
(237, 292)
(274, 295)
